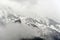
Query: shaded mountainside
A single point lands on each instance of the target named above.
(46, 28)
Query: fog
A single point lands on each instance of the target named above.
(49, 8)
(33, 8)
(16, 31)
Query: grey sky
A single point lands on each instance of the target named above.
(46, 8)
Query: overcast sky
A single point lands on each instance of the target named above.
(48, 8)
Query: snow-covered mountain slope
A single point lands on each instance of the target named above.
(15, 27)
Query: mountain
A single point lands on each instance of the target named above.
(27, 28)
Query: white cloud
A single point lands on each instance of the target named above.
(49, 8)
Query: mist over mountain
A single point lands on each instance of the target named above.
(18, 27)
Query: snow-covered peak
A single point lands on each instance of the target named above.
(42, 26)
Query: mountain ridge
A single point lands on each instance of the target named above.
(44, 26)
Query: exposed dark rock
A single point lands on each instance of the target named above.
(34, 25)
(36, 38)
(18, 21)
